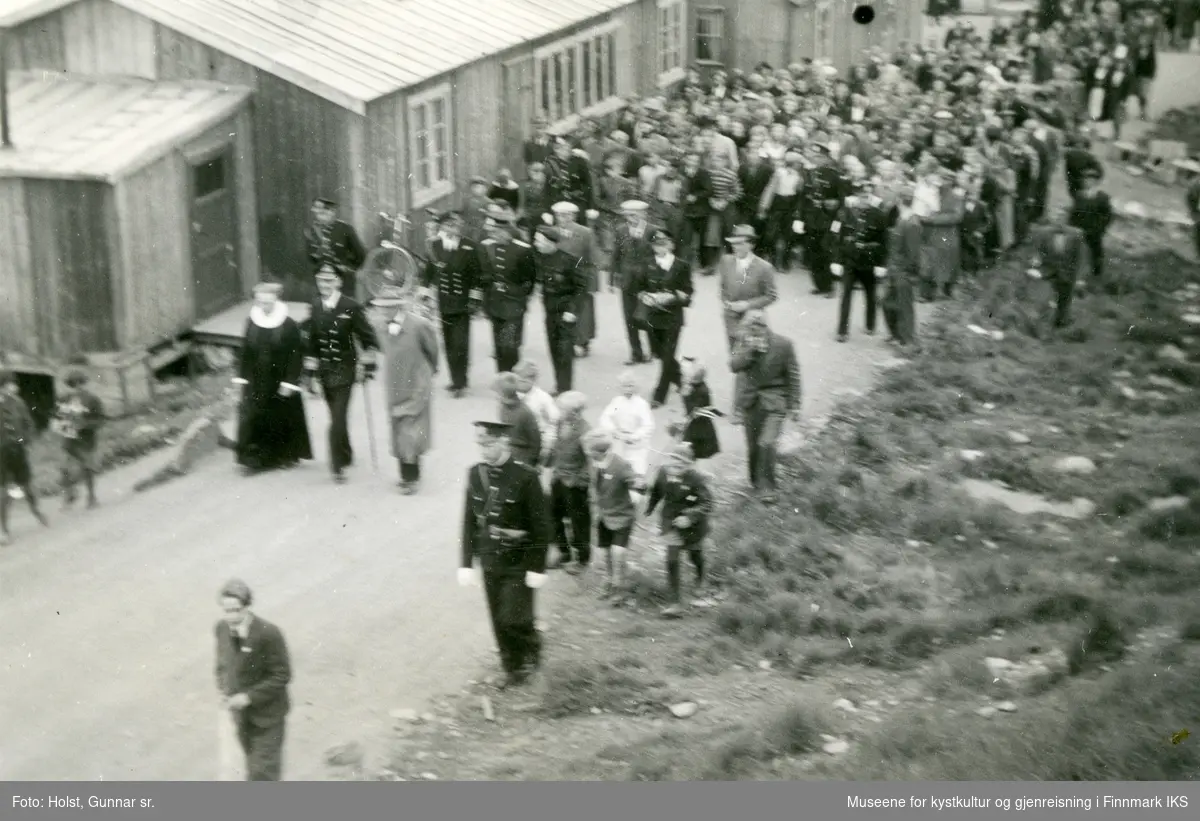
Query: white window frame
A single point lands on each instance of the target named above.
(716, 14)
(438, 187)
(672, 40)
(822, 28)
(614, 100)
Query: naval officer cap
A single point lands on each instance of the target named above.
(565, 208)
(634, 206)
(275, 288)
(493, 428)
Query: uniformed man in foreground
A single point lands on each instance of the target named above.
(337, 327)
(453, 273)
(506, 530)
(507, 279)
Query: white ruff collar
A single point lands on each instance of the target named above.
(272, 320)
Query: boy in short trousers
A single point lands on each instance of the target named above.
(686, 503)
(614, 482)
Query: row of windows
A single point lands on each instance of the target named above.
(570, 77)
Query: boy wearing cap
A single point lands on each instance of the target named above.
(331, 241)
(453, 273)
(580, 242)
(337, 327)
(614, 482)
(16, 433)
(505, 528)
(563, 280)
(859, 253)
(687, 504)
(507, 276)
(569, 480)
(272, 428)
(78, 416)
(253, 671)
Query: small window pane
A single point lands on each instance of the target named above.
(586, 59)
(558, 86)
(209, 177)
(545, 101)
(612, 66)
(572, 90)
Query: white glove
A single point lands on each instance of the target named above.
(1034, 273)
(797, 226)
(546, 218)
(467, 577)
(592, 213)
(836, 269)
(535, 580)
(880, 272)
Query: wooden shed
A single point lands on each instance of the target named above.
(126, 212)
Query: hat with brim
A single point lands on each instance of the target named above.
(661, 236)
(477, 180)
(634, 206)
(274, 288)
(449, 217)
(494, 428)
(328, 274)
(325, 201)
(564, 208)
(742, 233)
(943, 115)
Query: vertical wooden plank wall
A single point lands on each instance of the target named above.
(477, 125)
(246, 188)
(759, 31)
(19, 308)
(103, 38)
(37, 44)
(386, 188)
(518, 109)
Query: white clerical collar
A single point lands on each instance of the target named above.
(332, 302)
(450, 244)
(269, 320)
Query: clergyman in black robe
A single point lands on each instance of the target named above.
(272, 429)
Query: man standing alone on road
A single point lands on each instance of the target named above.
(253, 674)
(506, 528)
(770, 393)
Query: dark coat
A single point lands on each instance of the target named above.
(455, 275)
(1060, 268)
(510, 497)
(272, 429)
(699, 430)
(689, 496)
(535, 201)
(342, 248)
(772, 377)
(526, 435)
(259, 667)
(862, 237)
(507, 277)
(570, 180)
(697, 195)
(677, 283)
(631, 255)
(563, 279)
(331, 340)
(1092, 213)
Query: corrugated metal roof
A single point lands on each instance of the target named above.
(355, 51)
(98, 129)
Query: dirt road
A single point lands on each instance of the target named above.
(107, 640)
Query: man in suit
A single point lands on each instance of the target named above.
(333, 242)
(507, 278)
(336, 324)
(563, 282)
(902, 270)
(632, 254)
(453, 272)
(253, 671)
(664, 290)
(580, 242)
(1057, 256)
(570, 176)
(770, 394)
(747, 281)
(507, 530)
(697, 205)
(755, 175)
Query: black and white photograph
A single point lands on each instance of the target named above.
(601, 391)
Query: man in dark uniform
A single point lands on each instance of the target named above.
(507, 278)
(570, 178)
(822, 197)
(1092, 213)
(453, 271)
(859, 252)
(336, 324)
(632, 255)
(563, 282)
(1058, 251)
(333, 242)
(506, 528)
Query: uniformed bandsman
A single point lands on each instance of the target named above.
(563, 281)
(507, 279)
(632, 256)
(336, 324)
(333, 242)
(453, 272)
(570, 177)
(823, 195)
(580, 242)
(506, 530)
(858, 246)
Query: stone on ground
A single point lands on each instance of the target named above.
(1018, 438)
(1079, 465)
(684, 709)
(1168, 503)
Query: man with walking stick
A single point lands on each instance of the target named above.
(337, 324)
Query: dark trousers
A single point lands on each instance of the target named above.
(569, 505)
(663, 344)
(1196, 236)
(456, 336)
(15, 471)
(410, 471)
(692, 247)
(818, 263)
(507, 336)
(560, 339)
(695, 552)
(762, 437)
(1095, 246)
(866, 275)
(510, 605)
(263, 747)
(629, 301)
(782, 240)
(337, 397)
(1064, 295)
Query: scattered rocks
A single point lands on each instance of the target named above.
(1007, 706)
(1191, 319)
(874, 704)
(971, 455)
(1026, 503)
(1172, 353)
(1122, 375)
(764, 665)
(349, 754)
(429, 718)
(684, 709)
(1018, 438)
(1031, 673)
(1168, 503)
(836, 747)
(846, 705)
(1077, 465)
(429, 776)
(1165, 383)
(1128, 392)
(595, 711)
(986, 712)
(485, 704)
